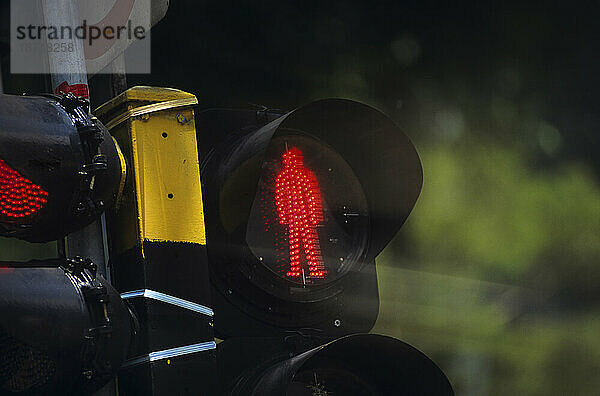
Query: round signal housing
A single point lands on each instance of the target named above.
(59, 167)
(296, 211)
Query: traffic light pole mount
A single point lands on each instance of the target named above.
(69, 75)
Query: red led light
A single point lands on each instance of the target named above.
(19, 197)
(300, 208)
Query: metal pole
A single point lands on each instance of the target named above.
(67, 69)
(68, 74)
(118, 75)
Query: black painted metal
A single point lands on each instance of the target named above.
(177, 269)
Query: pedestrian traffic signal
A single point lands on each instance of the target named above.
(59, 167)
(298, 206)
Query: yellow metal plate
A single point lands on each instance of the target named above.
(163, 186)
(168, 177)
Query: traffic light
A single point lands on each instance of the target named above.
(297, 210)
(298, 206)
(64, 329)
(59, 167)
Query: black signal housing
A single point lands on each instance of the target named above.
(379, 157)
(65, 330)
(54, 143)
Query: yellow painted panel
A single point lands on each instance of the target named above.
(163, 197)
(168, 177)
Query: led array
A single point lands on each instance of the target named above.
(19, 197)
(299, 206)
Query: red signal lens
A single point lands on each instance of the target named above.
(309, 220)
(300, 209)
(19, 197)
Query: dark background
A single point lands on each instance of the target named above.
(496, 273)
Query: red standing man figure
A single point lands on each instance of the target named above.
(299, 205)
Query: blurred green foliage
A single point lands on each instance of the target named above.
(496, 272)
(483, 209)
(15, 250)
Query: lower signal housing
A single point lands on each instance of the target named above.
(359, 365)
(64, 329)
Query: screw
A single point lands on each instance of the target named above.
(87, 374)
